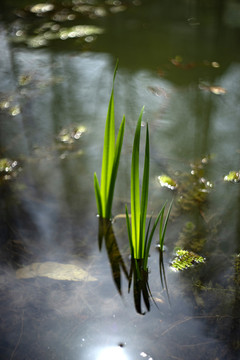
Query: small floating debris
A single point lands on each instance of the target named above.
(185, 259)
(166, 181)
(7, 165)
(5, 104)
(233, 176)
(54, 270)
(8, 168)
(216, 90)
(9, 105)
(70, 134)
(15, 110)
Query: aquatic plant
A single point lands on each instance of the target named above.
(233, 176)
(110, 160)
(166, 181)
(139, 239)
(185, 259)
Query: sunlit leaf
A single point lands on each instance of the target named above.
(166, 181)
(186, 259)
(217, 90)
(7, 165)
(233, 176)
(71, 133)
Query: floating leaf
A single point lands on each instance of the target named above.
(233, 176)
(215, 64)
(15, 110)
(216, 90)
(185, 259)
(7, 165)
(166, 181)
(70, 134)
(4, 104)
(24, 79)
(54, 270)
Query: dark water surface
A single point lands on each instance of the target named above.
(180, 59)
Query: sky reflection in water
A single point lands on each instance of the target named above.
(48, 209)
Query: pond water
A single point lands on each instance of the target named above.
(64, 292)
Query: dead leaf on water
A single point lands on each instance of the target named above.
(216, 90)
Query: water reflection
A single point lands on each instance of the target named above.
(48, 208)
(137, 277)
(110, 353)
(114, 255)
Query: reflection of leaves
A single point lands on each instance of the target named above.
(185, 259)
(114, 255)
(41, 8)
(141, 288)
(237, 270)
(41, 23)
(191, 237)
(194, 187)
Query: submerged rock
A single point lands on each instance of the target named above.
(54, 270)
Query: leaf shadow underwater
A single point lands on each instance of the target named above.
(137, 276)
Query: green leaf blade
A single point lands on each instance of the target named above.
(108, 152)
(98, 195)
(114, 171)
(144, 196)
(135, 196)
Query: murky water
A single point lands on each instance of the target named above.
(181, 60)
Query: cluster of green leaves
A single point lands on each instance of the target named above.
(233, 176)
(140, 240)
(110, 160)
(185, 259)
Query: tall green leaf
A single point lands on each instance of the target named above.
(108, 149)
(117, 153)
(135, 196)
(98, 195)
(144, 196)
